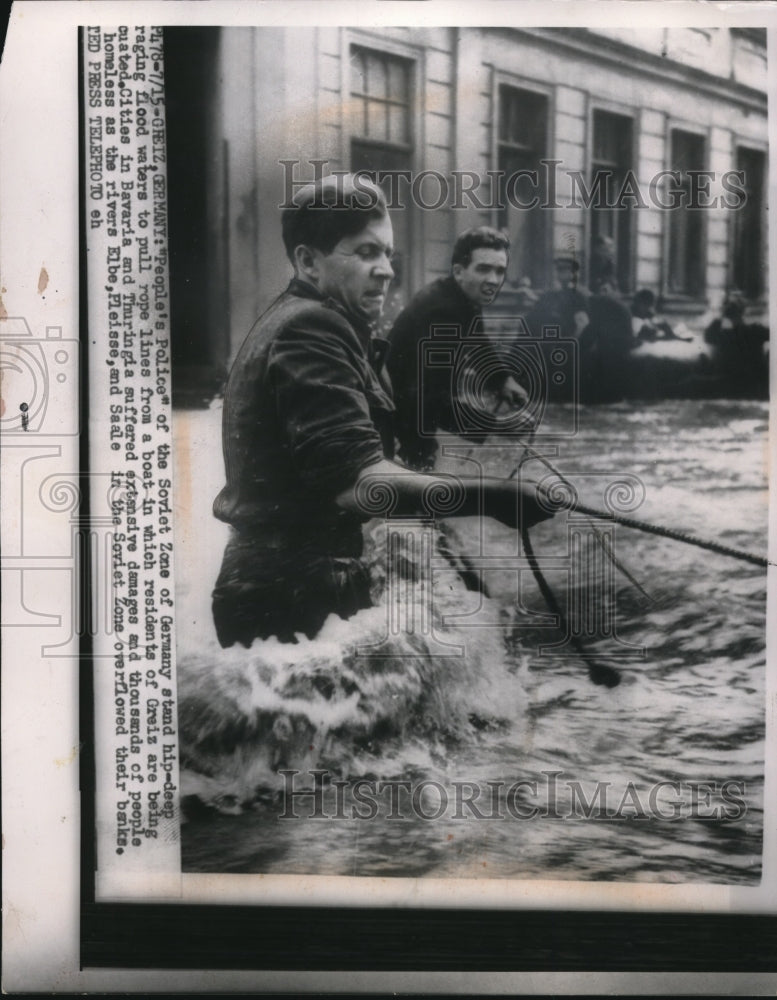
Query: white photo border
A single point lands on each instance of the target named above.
(46, 890)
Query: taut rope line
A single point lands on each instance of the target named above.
(600, 673)
(646, 526)
(679, 536)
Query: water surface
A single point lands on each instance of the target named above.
(508, 761)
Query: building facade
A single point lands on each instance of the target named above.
(652, 142)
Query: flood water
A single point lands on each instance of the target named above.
(501, 758)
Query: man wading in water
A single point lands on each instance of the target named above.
(308, 430)
(447, 317)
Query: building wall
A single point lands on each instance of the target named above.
(579, 81)
(286, 94)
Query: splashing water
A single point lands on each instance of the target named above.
(355, 699)
(535, 763)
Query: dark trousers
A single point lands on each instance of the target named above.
(265, 590)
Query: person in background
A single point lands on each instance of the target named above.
(308, 430)
(429, 396)
(562, 312)
(605, 345)
(566, 305)
(740, 349)
(646, 325)
(603, 263)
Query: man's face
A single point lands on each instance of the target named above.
(482, 278)
(358, 271)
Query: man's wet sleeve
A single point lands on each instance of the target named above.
(323, 397)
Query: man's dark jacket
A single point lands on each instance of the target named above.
(424, 376)
(305, 410)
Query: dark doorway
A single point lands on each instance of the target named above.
(192, 149)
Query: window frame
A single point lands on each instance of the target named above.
(752, 146)
(681, 300)
(408, 146)
(595, 104)
(414, 56)
(516, 82)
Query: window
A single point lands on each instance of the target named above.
(610, 253)
(522, 140)
(686, 251)
(380, 83)
(749, 256)
(382, 141)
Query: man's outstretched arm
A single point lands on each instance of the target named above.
(386, 489)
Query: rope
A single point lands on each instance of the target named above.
(678, 536)
(529, 450)
(598, 672)
(646, 526)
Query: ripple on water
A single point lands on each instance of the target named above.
(690, 711)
